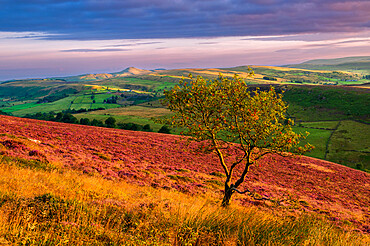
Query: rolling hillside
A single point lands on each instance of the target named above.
(293, 185)
(339, 98)
(360, 64)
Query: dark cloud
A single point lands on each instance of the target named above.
(93, 50)
(117, 19)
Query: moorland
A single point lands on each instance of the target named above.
(69, 184)
(94, 184)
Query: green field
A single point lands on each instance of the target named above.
(321, 124)
(345, 142)
(17, 107)
(86, 102)
(317, 138)
(320, 103)
(350, 144)
(56, 106)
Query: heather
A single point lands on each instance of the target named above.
(77, 184)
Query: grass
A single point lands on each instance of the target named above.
(351, 64)
(317, 138)
(72, 102)
(321, 124)
(136, 83)
(62, 207)
(344, 104)
(350, 144)
(313, 114)
(17, 107)
(56, 106)
(304, 76)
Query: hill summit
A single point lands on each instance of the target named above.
(133, 71)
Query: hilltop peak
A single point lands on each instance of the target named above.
(134, 71)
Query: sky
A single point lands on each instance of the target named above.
(45, 38)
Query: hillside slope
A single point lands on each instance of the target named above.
(337, 61)
(294, 185)
(360, 64)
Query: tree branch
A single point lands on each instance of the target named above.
(250, 193)
(240, 192)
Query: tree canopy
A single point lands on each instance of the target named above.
(238, 124)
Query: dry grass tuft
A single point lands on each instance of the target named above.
(64, 207)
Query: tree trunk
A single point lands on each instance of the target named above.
(227, 196)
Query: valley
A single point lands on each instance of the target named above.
(315, 97)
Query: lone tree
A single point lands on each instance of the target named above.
(237, 124)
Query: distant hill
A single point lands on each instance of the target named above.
(133, 71)
(96, 76)
(130, 71)
(360, 64)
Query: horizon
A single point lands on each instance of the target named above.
(153, 69)
(39, 40)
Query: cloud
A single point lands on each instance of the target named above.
(117, 19)
(355, 41)
(208, 43)
(94, 50)
(24, 35)
(134, 44)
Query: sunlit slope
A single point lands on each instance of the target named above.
(53, 205)
(360, 64)
(165, 161)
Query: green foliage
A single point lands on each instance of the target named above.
(348, 104)
(223, 111)
(135, 127)
(96, 122)
(269, 78)
(68, 118)
(84, 121)
(4, 113)
(165, 129)
(10, 90)
(110, 122)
